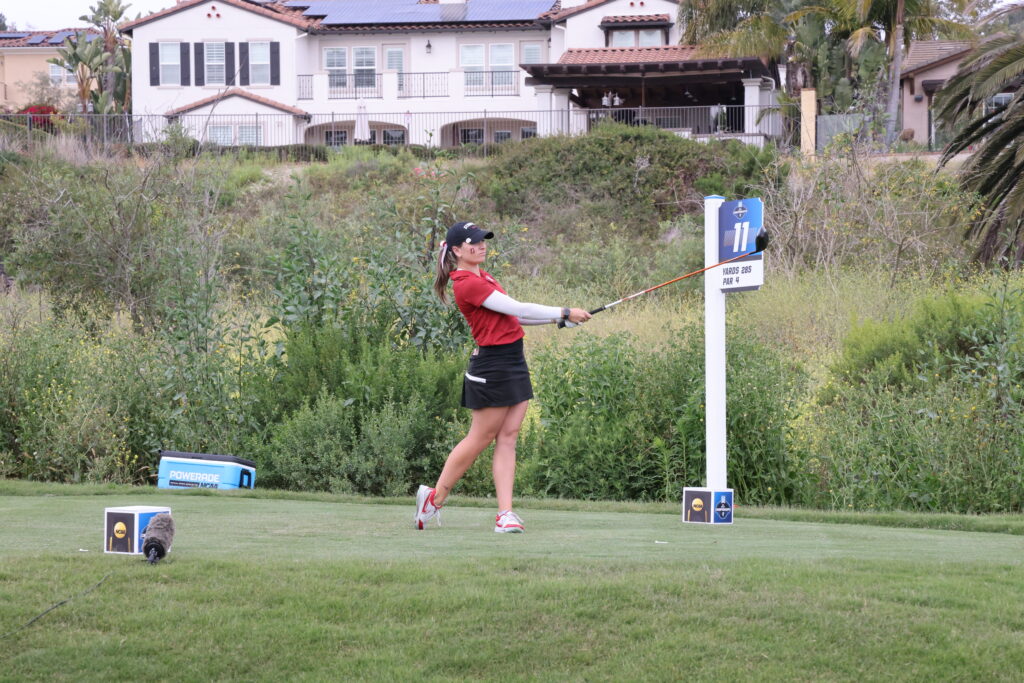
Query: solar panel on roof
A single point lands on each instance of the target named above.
(10, 36)
(342, 12)
(36, 39)
(58, 38)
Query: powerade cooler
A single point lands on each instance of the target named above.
(204, 470)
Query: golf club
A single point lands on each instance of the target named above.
(760, 243)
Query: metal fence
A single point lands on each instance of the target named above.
(753, 125)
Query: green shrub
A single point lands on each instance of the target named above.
(309, 450)
(946, 447)
(625, 423)
(633, 175)
(924, 412)
(76, 405)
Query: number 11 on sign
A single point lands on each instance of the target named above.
(740, 239)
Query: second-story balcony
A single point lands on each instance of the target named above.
(409, 85)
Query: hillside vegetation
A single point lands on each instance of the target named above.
(283, 313)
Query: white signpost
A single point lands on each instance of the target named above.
(730, 230)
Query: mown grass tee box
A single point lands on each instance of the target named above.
(180, 470)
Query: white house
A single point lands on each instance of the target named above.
(441, 72)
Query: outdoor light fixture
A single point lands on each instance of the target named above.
(611, 99)
(428, 46)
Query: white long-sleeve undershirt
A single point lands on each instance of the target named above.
(528, 314)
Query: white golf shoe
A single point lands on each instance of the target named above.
(425, 508)
(508, 522)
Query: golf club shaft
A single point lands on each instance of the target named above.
(681, 277)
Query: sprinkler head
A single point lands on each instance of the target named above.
(761, 241)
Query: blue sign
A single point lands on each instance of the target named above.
(739, 222)
(722, 507)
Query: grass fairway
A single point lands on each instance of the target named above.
(274, 588)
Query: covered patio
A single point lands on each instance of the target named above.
(665, 86)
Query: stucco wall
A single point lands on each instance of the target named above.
(915, 111)
(194, 26)
(582, 28)
(20, 66)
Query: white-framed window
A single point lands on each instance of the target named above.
(471, 60)
(259, 63)
(220, 134)
(250, 134)
(644, 37)
(623, 39)
(502, 135)
(61, 75)
(996, 102)
(364, 66)
(531, 53)
(395, 136)
(213, 54)
(650, 37)
(394, 61)
(335, 138)
(471, 136)
(170, 63)
(503, 63)
(336, 63)
(527, 132)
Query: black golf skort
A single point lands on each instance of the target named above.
(497, 376)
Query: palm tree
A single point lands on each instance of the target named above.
(87, 60)
(996, 168)
(105, 15)
(893, 23)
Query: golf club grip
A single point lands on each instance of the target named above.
(597, 310)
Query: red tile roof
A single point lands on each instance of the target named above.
(236, 92)
(272, 10)
(924, 53)
(23, 42)
(629, 55)
(635, 18)
(366, 28)
(556, 13)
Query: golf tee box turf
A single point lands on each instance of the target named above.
(123, 527)
(180, 470)
(707, 506)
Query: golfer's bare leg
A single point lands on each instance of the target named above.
(504, 466)
(486, 425)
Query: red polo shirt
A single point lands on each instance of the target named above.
(489, 328)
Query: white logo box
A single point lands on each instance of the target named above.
(123, 527)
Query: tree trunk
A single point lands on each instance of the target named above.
(892, 110)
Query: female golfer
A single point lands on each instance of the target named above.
(497, 383)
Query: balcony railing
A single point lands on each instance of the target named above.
(430, 84)
(491, 83)
(353, 86)
(352, 124)
(304, 89)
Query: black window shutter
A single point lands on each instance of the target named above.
(229, 63)
(275, 64)
(243, 63)
(154, 63)
(186, 67)
(200, 65)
